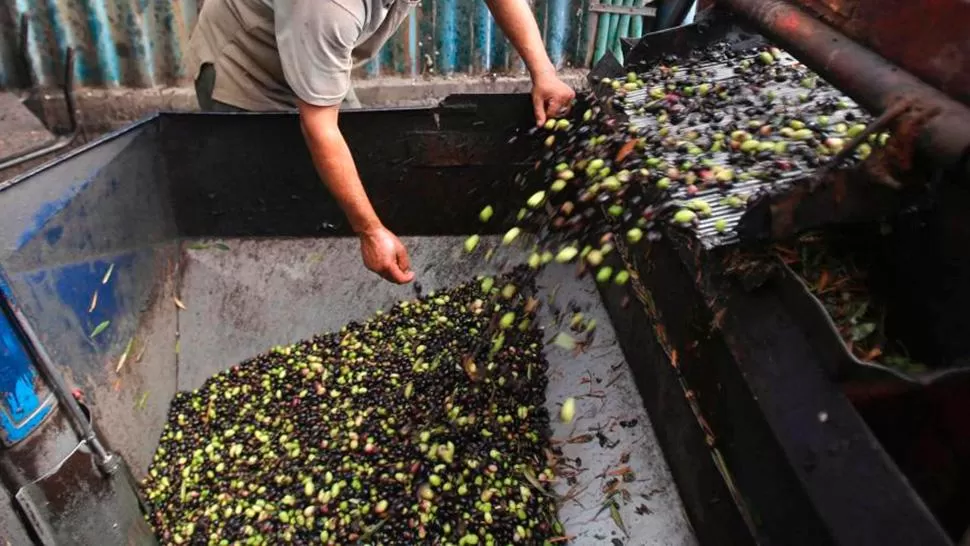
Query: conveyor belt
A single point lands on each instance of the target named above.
(797, 94)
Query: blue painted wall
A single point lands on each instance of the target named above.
(142, 43)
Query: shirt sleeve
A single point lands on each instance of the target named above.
(315, 39)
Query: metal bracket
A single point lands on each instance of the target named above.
(896, 159)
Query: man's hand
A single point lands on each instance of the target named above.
(385, 255)
(551, 97)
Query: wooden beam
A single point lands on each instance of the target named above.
(645, 11)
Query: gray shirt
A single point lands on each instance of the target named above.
(267, 53)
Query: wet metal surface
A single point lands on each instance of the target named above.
(243, 296)
(12, 529)
(75, 504)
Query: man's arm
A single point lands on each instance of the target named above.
(383, 253)
(550, 96)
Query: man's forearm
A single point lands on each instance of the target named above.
(336, 168)
(516, 20)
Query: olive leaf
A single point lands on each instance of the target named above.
(107, 275)
(99, 328)
(204, 246)
(862, 331)
(617, 518)
(534, 482)
(124, 355)
(859, 312)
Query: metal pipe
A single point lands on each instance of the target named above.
(636, 22)
(614, 24)
(602, 33)
(868, 78)
(107, 462)
(622, 30)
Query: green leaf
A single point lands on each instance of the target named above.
(141, 401)
(370, 531)
(99, 328)
(862, 331)
(860, 312)
(536, 484)
(904, 364)
(205, 246)
(617, 518)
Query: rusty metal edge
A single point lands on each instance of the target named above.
(863, 75)
(923, 379)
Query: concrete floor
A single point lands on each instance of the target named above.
(21, 130)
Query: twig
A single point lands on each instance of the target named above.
(877, 125)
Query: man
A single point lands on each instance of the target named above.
(284, 54)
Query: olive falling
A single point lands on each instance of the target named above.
(398, 430)
(686, 141)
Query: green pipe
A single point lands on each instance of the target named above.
(614, 24)
(622, 31)
(602, 33)
(636, 24)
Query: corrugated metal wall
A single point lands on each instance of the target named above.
(141, 43)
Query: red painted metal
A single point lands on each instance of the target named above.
(865, 76)
(929, 38)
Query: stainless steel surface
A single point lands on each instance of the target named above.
(12, 528)
(74, 503)
(245, 296)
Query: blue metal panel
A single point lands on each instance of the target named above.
(24, 400)
(142, 43)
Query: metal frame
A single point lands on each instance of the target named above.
(777, 423)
